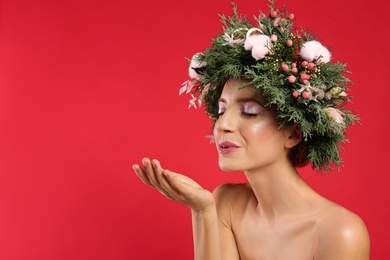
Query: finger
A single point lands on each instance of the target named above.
(166, 187)
(141, 174)
(149, 171)
(177, 185)
(158, 170)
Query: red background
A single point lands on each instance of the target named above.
(88, 88)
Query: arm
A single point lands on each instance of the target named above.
(207, 244)
(225, 197)
(184, 190)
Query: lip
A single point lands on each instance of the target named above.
(227, 147)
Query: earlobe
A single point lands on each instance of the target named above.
(294, 135)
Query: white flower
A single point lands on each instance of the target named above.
(195, 64)
(259, 44)
(236, 38)
(335, 114)
(314, 50)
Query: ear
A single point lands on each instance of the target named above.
(293, 134)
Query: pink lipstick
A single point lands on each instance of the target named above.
(227, 147)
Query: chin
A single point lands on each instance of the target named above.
(230, 166)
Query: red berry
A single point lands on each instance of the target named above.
(274, 14)
(294, 70)
(291, 79)
(296, 94)
(304, 63)
(289, 43)
(311, 66)
(304, 77)
(306, 95)
(284, 67)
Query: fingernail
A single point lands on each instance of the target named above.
(144, 162)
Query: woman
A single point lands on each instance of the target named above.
(274, 109)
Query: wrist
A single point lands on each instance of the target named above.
(208, 210)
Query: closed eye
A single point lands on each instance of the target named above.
(249, 114)
(221, 110)
(251, 109)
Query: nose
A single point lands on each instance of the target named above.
(226, 122)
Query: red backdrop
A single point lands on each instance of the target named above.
(87, 88)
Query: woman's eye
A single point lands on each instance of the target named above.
(251, 110)
(221, 111)
(249, 114)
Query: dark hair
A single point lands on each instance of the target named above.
(298, 155)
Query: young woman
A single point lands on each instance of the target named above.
(273, 109)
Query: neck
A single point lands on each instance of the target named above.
(280, 191)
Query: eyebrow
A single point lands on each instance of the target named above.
(244, 100)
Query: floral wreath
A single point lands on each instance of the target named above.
(293, 70)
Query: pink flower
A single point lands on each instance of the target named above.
(276, 22)
(335, 114)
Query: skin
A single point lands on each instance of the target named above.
(276, 215)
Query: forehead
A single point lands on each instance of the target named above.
(231, 91)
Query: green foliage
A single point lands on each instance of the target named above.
(229, 60)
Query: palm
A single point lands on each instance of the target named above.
(174, 186)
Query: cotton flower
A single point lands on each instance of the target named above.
(253, 36)
(335, 114)
(314, 50)
(259, 44)
(196, 64)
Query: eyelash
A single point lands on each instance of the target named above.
(249, 114)
(242, 113)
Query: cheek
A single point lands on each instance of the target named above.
(263, 136)
(257, 130)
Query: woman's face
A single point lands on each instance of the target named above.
(246, 133)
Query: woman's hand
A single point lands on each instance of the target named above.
(174, 186)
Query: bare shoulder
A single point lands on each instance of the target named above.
(342, 235)
(230, 200)
(231, 192)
